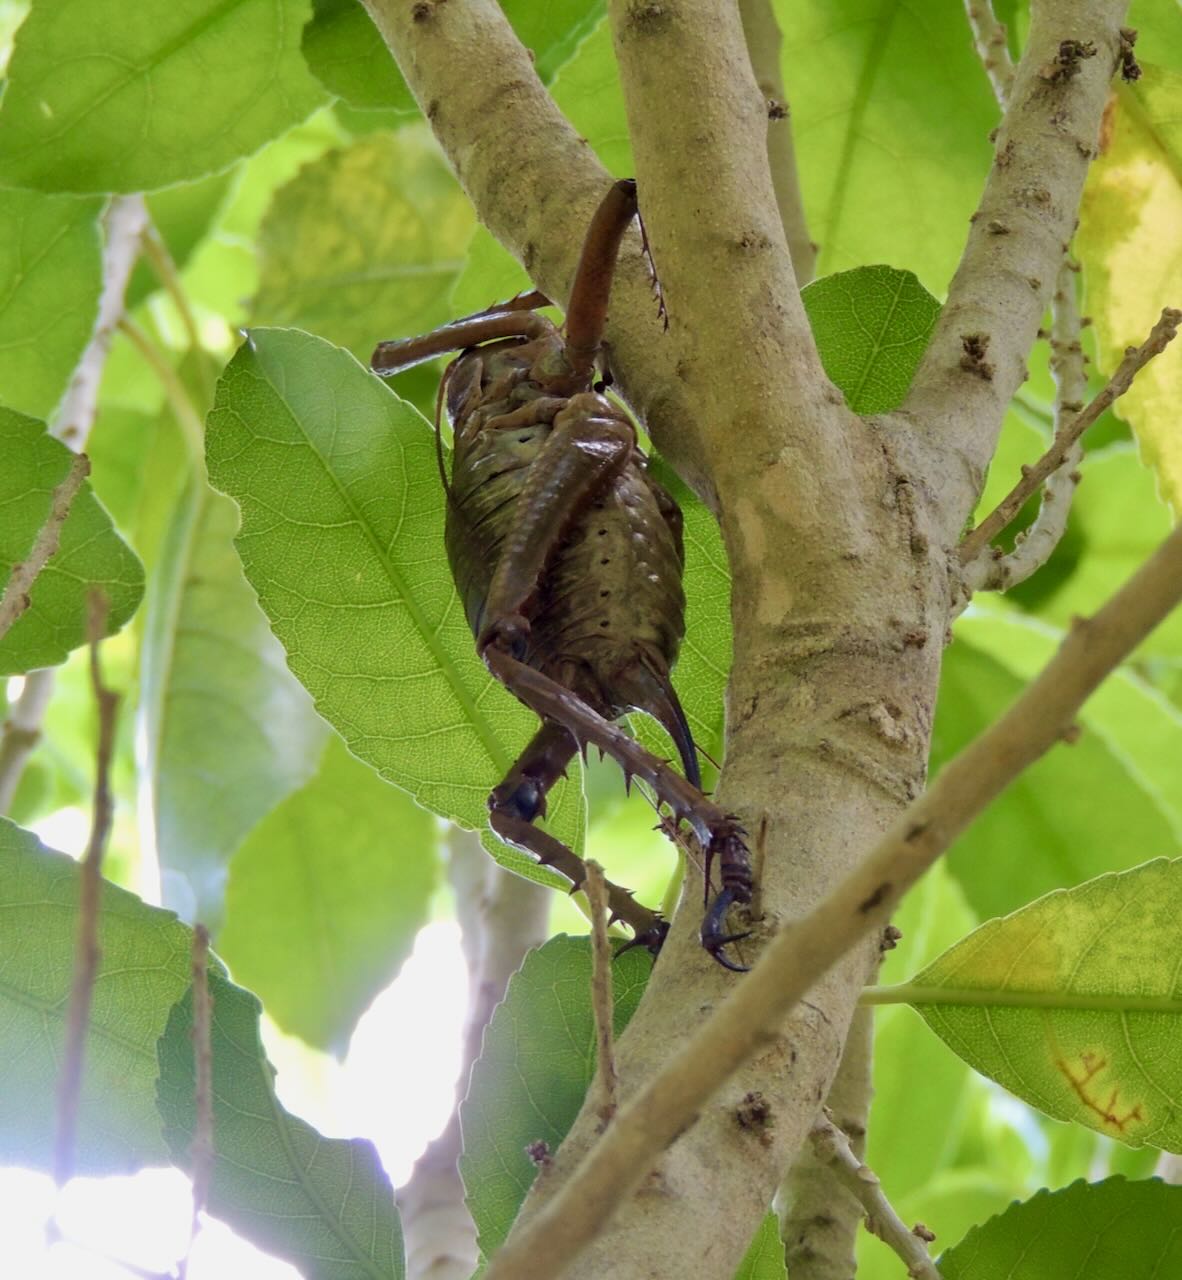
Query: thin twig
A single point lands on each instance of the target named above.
(87, 953)
(124, 224)
(819, 1220)
(164, 268)
(989, 35)
(801, 953)
(833, 1147)
(1135, 359)
(201, 1149)
(602, 1006)
(22, 732)
(179, 400)
(764, 41)
(18, 593)
(1034, 547)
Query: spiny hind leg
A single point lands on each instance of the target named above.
(521, 798)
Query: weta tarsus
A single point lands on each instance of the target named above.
(568, 557)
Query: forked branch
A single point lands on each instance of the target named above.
(1160, 336)
(800, 954)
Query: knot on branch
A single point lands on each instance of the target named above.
(1066, 63)
(1130, 68)
(974, 347)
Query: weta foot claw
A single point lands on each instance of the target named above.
(713, 939)
(651, 939)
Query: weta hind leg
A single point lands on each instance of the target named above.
(719, 832)
(521, 798)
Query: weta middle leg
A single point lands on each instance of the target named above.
(516, 802)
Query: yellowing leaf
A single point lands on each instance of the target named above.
(1073, 1003)
(1130, 239)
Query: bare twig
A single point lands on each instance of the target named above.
(164, 268)
(179, 400)
(1033, 548)
(17, 597)
(602, 1006)
(201, 1150)
(833, 1147)
(764, 41)
(1025, 217)
(801, 953)
(87, 953)
(1136, 358)
(125, 220)
(989, 35)
(22, 732)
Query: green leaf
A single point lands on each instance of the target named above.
(587, 91)
(1031, 840)
(489, 274)
(90, 555)
(1090, 1231)
(229, 733)
(1141, 728)
(1074, 1003)
(765, 1259)
(143, 971)
(324, 1204)
(342, 537)
(527, 1086)
(103, 97)
(347, 53)
(326, 896)
(887, 100)
(364, 243)
(903, 1148)
(182, 215)
(51, 273)
(1131, 238)
(872, 325)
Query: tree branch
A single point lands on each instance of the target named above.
(17, 594)
(125, 220)
(1033, 548)
(976, 359)
(22, 732)
(87, 953)
(989, 36)
(833, 1148)
(1160, 336)
(604, 1085)
(819, 1218)
(501, 917)
(764, 42)
(801, 953)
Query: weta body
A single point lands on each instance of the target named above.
(568, 558)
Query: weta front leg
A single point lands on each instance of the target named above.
(521, 798)
(719, 832)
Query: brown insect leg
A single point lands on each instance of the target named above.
(404, 353)
(521, 798)
(587, 310)
(581, 455)
(719, 832)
